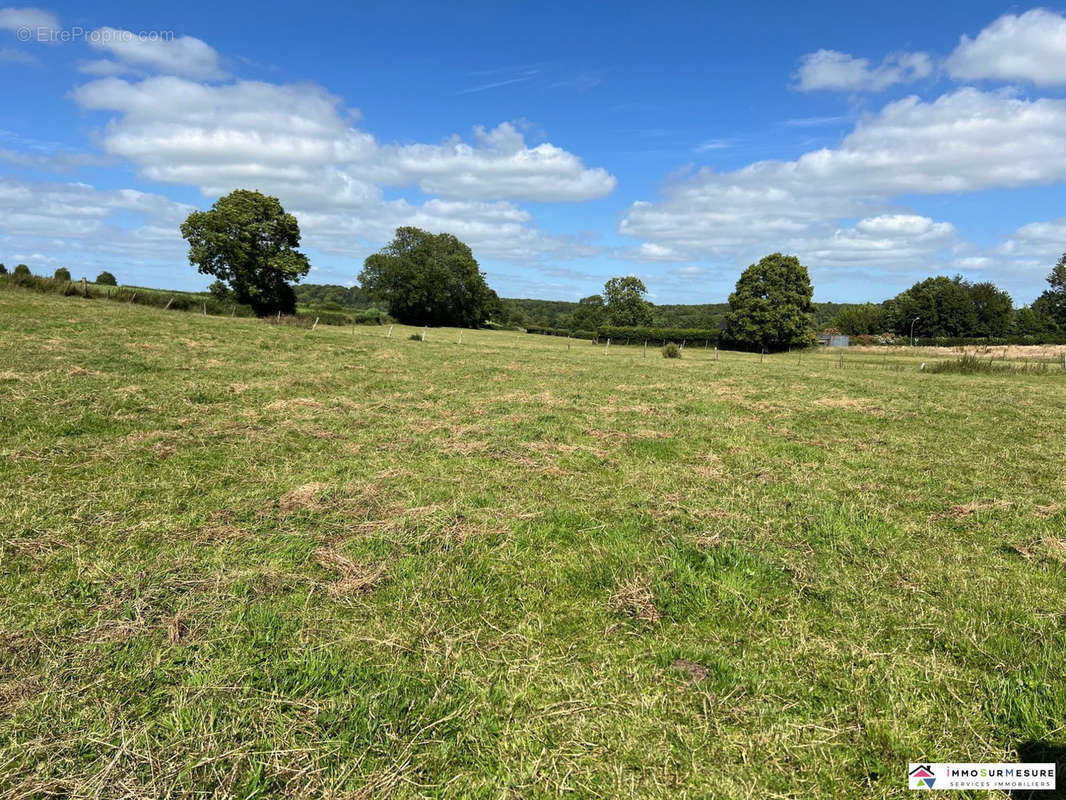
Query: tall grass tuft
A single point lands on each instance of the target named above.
(971, 364)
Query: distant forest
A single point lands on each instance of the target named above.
(552, 313)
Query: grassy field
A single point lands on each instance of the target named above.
(244, 560)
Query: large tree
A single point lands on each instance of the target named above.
(860, 319)
(248, 242)
(624, 301)
(589, 314)
(994, 309)
(1052, 303)
(429, 279)
(939, 306)
(771, 306)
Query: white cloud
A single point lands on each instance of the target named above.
(501, 165)
(964, 141)
(294, 140)
(836, 71)
(33, 19)
(298, 143)
(1045, 240)
(896, 239)
(183, 55)
(9, 55)
(1028, 47)
(56, 218)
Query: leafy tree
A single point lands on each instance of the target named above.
(1032, 321)
(1052, 303)
(3, 270)
(994, 309)
(771, 307)
(860, 320)
(429, 279)
(22, 270)
(62, 274)
(624, 302)
(248, 241)
(589, 314)
(943, 307)
(105, 278)
(220, 292)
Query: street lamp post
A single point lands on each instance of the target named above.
(912, 329)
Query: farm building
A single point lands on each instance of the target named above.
(833, 340)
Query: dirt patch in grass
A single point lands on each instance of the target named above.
(1043, 512)
(634, 598)
(289, 405)
(708, 542)
(352, 578)
(863, 405)
(693, 671)
(299, 498)
(221, 526)
(964, 511)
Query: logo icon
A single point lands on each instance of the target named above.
(922, 776)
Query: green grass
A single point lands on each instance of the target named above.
(258, 561)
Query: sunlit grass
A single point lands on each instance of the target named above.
(258, 560)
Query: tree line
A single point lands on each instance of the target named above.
(248, 243)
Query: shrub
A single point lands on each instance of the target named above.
(3, 270)
(62, 274)
(415, 337)
(671, 350)
(105, 278)
(22, 271)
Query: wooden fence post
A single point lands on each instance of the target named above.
(424, 329)
(387, 335)
(316, 324)
(171, 300)
(645, 348)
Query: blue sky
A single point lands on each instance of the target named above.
(565, 142)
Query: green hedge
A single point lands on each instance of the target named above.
(972, 341)
(691, 336)
(622, 335)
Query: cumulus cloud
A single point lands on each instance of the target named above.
(841, 72)
(183, 55)
(964, 141)
(1046, 240)
(298, 143)
(1027, 47)
(75, 218)
(898, 239)
(33, 19)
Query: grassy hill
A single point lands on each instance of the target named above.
(261, 561)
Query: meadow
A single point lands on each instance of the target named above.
(248, 560)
